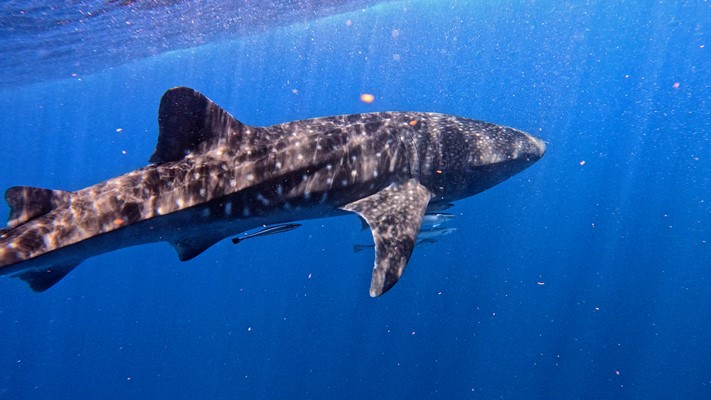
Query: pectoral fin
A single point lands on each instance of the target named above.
(394, 215)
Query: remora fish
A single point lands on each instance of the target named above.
(269, 230)
(435, 233)
(212, 177)
(426, 236)
(436, 219)
(429, 220)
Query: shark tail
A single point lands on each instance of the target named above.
(27, 203)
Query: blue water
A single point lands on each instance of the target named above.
(584, 277)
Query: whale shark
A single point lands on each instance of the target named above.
(212, 176)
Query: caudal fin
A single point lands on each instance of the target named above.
(27, 203)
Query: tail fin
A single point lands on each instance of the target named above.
(27, 203)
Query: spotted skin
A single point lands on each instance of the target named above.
(394, 215)
(213, 177)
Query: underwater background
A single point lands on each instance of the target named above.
(587, 276)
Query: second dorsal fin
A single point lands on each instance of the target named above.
(188, 120)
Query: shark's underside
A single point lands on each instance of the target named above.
(212, 177)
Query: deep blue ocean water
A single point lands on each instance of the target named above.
(586, 276)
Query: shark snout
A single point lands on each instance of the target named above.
(537, 147)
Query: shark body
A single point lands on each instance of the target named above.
(212, 177)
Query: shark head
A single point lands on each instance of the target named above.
(475, 155)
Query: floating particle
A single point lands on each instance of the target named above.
(540, 283)
(582, 162)
(367, 98)
(349, 22)
(119, 130)
(123, 151)
(676, 85)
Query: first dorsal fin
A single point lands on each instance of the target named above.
(28, 202)
(188, 120)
